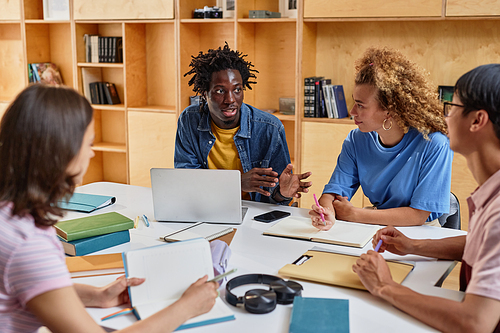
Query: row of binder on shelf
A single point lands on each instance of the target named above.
(103, 49)
(323, 99)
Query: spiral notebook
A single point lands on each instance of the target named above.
(197, 230)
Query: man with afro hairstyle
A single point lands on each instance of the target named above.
(225, 133)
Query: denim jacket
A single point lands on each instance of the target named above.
(260, 141)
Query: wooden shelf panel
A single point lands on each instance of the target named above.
(153, 108)
(208, 21)
(284, 117)
(40, 21)
(122, 9)
(328, 120)
(266, 20)
(115, 107)
(11, 10)
(110, 147)
(100, 64)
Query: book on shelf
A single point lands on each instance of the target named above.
(84, 246)
(86, 203)
(208, 231)
(321, 106)
(342, 233)
(94, 225)
(319, 315)
(46, 72)
(94, 265)
(182, 263)
(340, 102)
(94, 45)
(100, 90)
(111, 93)
(90, 75)
(328, 267)
(103, 49)
(327, 97)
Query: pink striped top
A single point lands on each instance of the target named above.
(31, 263)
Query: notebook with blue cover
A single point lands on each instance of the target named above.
(319, 315)
(86, 203)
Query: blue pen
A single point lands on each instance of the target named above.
(145, 220)
(379, 244)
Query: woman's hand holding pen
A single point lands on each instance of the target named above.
(200, 297)
(317, 221)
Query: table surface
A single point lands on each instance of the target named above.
(253, 252)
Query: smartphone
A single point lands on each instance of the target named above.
(271, 216)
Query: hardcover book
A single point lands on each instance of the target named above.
(319, 315)
(111, 93)
(182, 263)
(84, 246)
(338, 91)
(94, 225)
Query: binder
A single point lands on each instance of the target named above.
(336, 269)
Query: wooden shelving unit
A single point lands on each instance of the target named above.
(446, 37)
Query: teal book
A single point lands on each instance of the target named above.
(319, 315)
(84, 246)
(86, 203)
(94, 225)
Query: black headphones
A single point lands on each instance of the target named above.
(261, 300)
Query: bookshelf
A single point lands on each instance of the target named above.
(447, 37)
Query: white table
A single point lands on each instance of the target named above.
(254, 253)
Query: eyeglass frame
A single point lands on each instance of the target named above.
(446, 109)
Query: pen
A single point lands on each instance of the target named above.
(317, 204)
(221, 276)
(118, 313)
(145, 220)
(379, 244)
(136, 221)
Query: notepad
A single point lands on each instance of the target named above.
(200, 229)
(102, 264)
(336, 269)
(319, 315)
(86, 203)
(342, 233)
(169, 270)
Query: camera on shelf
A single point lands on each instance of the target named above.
(208, 12)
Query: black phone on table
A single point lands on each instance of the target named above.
(271, 216)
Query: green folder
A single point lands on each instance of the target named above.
(86, 203)
(319, 315)
(94, 225)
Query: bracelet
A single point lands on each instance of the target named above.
(277, 194)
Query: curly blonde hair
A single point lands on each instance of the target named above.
(402, 89)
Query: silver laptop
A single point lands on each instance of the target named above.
(193, 195)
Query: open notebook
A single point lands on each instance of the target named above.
(169, 270)
(342, 233)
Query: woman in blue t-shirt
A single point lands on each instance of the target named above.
(399, 154)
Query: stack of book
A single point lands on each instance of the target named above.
(96, 90)
(323, 99)
(93, 233)
(103, 49)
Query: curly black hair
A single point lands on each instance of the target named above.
(204, 64)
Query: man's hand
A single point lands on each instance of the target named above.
(291, 184)
(393, 241)
(373, 272)
(344, 210)
(253, 180)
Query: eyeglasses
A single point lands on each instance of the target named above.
(447, 107)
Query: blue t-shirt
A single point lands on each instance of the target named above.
(415, 173)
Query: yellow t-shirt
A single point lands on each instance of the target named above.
(224, 154)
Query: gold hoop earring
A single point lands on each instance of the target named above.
(383, 125)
